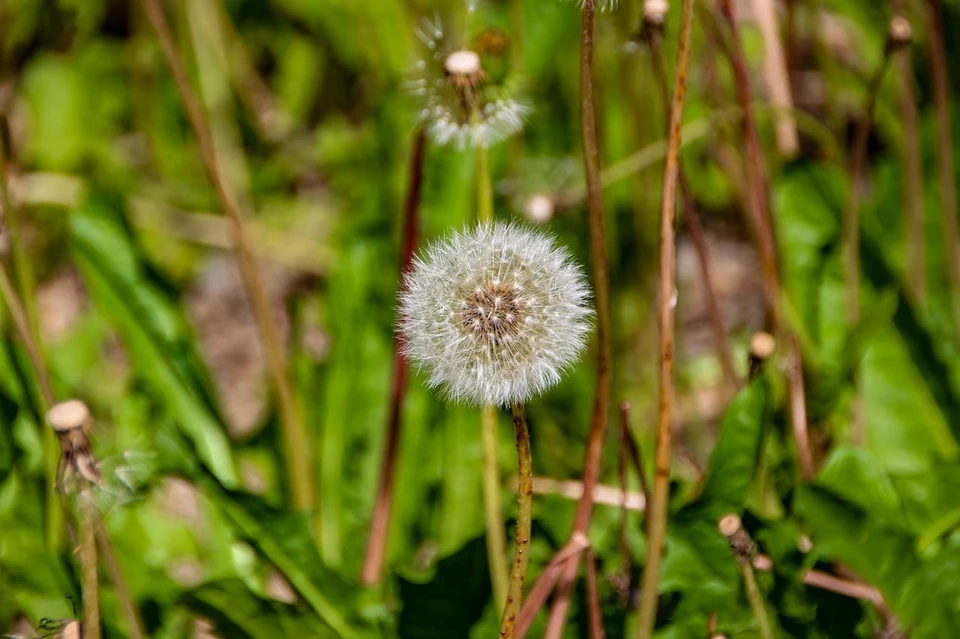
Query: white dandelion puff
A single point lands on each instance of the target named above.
(601, 5)
(459, 103)
(495, 314)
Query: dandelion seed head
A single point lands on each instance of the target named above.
(539, 208)
(601, 5)
(495, 314)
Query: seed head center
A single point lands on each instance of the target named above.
(492, 314)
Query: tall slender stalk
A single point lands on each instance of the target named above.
(759, 211)
(594, 614)
(493, 517)
(948, 189)
(518, 572)
(24, 312)
(691, 220)
(731, 527)
(297, 450)
(598, 262)
(756, 196)
(851, 217)
(89, 575)
(777, 77)
(129, 610)
(657, 509)
(372, 572)
(912, 175)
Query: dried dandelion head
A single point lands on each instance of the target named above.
(460, 104)
(71, 421)
(495, 314)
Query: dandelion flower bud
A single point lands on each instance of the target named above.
(68, 415)
(495, 314)
(539, 208)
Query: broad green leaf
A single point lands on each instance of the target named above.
(448, 605)
(733, 462)
(151, 328)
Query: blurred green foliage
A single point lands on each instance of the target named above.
(311, 116)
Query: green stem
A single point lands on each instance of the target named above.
(518, 573)
(24, 312)
(493, 518)
(657, 509)
(496, 538)
(484, 187)
(89, 577)
(756, 600)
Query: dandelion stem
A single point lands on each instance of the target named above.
(135, 626)
(745, 551)
(691, 220)
(912, 179)
(484, 186)
(21, 262)
(657, 509)
(372, 572)
(948, 192)
(89, 576)
(756, 197)
(493, 517)
(518, 573)
(295, 438)
(51, 453)
(756, 600)
(851, 217)
(598, 263)
(594, 614)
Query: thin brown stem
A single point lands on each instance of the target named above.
(89, 574)
(776, 77)
(633, 449)
(851, 216)
(657, 508)
(625, 554)
(537, 596)
(295, 438)
(518, 572)
(948, 192)
(128, 608)
(493, 516)
(798, 413)
(691, 220)
(372, 572)
(598, 261)
(912, 178)
(14, 222)
(745, 552)
(756, 189)
(594, 614)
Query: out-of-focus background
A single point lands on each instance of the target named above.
(119, 251)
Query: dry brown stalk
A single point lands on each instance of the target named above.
(657, 509)
(296, 441)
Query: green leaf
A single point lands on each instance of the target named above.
(284, 539)
(451, 603)
(236, 612)
(151, 326)
(734, 458)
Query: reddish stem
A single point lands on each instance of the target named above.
(372, 572)
(598, 259)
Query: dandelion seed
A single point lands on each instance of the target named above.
(495, 314)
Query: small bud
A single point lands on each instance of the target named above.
(655, 11)
(462, 63)
(539, 208)
(899, 34)
(762, 345)
(731, 527)
(68, 415)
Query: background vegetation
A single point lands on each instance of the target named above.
(120, 256)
